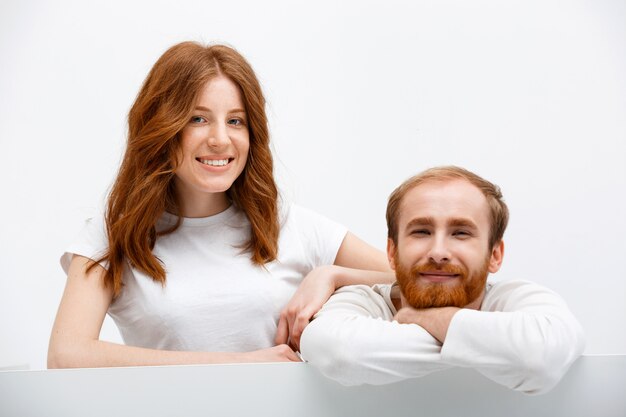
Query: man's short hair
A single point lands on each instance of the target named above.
(498, 211)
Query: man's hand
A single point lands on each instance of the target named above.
(434, 320)
(314, 290)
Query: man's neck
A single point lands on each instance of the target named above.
(396, 296)
(475, 305)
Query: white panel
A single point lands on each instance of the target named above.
(592, 387)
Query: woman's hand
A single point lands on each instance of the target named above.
(314, 290)
(356, 263)
(280, 353)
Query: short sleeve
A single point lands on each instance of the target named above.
(320, 237)
(91, 242)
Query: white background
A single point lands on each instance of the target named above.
(361, 95)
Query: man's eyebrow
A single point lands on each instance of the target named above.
(462, 222)
(421, 221)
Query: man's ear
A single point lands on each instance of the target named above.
(495, 260)
(391, 253)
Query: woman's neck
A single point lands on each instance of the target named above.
(203, 205)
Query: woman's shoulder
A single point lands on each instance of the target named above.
(91, 241)
(318, 236)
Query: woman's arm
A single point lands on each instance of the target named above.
(356, 263)
(75, 335)
(357, 254)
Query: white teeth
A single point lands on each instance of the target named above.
(214, 162)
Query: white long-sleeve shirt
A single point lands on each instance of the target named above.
(523, 337)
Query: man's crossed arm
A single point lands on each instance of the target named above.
(524, 338)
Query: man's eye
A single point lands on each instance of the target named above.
(420, 232)
(461, 234)
(197, 119)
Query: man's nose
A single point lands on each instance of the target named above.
(439, 252)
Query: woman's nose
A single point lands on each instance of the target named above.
(218, 136)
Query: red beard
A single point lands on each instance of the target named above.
(469, 286)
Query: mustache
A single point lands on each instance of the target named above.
(432, 266)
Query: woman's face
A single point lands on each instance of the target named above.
(215, 144)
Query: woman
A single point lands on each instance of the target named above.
(195, 259)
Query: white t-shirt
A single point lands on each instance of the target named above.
(215, 298)
(523, 337)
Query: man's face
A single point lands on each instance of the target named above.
(442, 256)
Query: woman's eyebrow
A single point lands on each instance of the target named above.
(206, 109)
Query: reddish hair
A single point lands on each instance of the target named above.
(498, 211)
(144, 187)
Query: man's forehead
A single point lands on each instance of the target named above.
(438, 199)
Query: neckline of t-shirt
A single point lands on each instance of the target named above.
(385, 292)
(216, 219)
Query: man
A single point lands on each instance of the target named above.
(445, 229)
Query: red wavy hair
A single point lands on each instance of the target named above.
(144, 187)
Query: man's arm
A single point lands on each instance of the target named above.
(526, 339)
(353, 340)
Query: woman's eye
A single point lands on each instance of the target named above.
(235, 122)
(197, 119)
